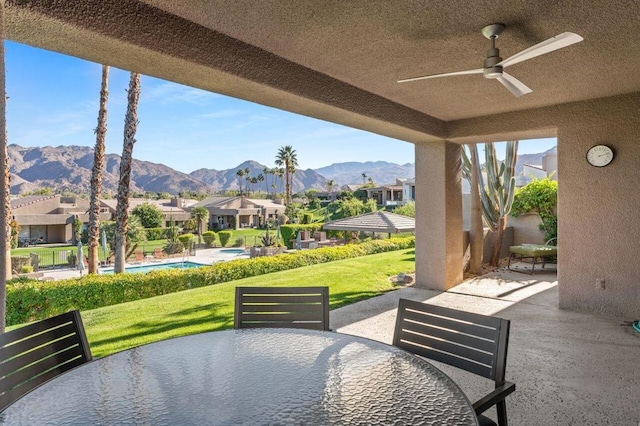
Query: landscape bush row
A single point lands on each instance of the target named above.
(35, 300)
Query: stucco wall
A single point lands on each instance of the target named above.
(599, 229)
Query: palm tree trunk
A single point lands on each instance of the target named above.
(5, 204)
(476, 230)
(96, 174)
(122, 214)
(287, 196)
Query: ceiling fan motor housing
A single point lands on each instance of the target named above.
(491, 70)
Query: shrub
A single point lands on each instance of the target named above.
(540, 196)
(239, 242)
(307, 218)
(35, 300)
(186, 239)
(173, 247)
(209, 238)
(224, 236)
(26, 269)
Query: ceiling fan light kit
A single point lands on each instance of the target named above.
(494, 65)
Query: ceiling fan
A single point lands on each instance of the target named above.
(494, 65)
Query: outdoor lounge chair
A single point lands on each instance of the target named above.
(475, 343)
(158, 253)
(35, 353)
(282, 307)
(534, 252)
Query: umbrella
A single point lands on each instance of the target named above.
(298, 241)
(80, 265)
(104, 241)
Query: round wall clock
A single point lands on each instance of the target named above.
(600, 155)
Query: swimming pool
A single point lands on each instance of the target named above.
(232, 251)
(156, 267)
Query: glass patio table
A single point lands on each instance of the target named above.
(252, 376)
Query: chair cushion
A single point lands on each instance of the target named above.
(486, 421)
(537, 250)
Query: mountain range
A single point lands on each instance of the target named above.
(69, 168)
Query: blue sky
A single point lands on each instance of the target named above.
(53, 100)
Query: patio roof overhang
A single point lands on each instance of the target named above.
(340, 61)
(374, 222)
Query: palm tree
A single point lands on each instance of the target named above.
(279, 172)
(287, 157)
(266, 171)
(364, 178)
(260, 178)
(5, 203)
(330, 186)
(96, 174)
(201, 215)
(122, 207)
(240, 174)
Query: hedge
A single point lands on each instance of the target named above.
(224, 237)
(35, 300)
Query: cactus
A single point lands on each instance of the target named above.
(497, 193)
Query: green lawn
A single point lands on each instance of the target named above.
(115, 328)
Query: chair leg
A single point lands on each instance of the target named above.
(501, 407)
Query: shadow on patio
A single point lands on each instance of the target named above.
(569, 367)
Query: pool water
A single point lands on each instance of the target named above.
(236, 251)
(156, 267)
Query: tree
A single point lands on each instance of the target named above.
(407, 209)
(279, 173)
(476, 228)
(201, 215)
(330, 186)
(96, 174)
(260, 179)
(287, 157)
(266, 172)
(149, 214)
(122, 207)
(364, 178)
(240, 174)
(539, 196)
(351, 207)
(5, 203)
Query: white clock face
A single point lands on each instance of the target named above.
(600, 155)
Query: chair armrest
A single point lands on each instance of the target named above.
(499, 394)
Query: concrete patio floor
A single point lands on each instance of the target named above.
(570, 368)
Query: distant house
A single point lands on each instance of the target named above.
(408, 189)
(387, 195)
(239, 212)
(176, 209)
(49, 218)
(549, 167)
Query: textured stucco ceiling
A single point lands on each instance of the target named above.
(339, 60)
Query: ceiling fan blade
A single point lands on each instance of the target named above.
(514, 85)
(554, 43)
(476, 71)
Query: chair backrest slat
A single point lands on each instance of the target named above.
(277, 307)
(473, 342)
(35, 353)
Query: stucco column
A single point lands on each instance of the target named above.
(438, 215)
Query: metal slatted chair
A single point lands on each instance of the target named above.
(35, 353)
(278, 307)
(472, 342)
